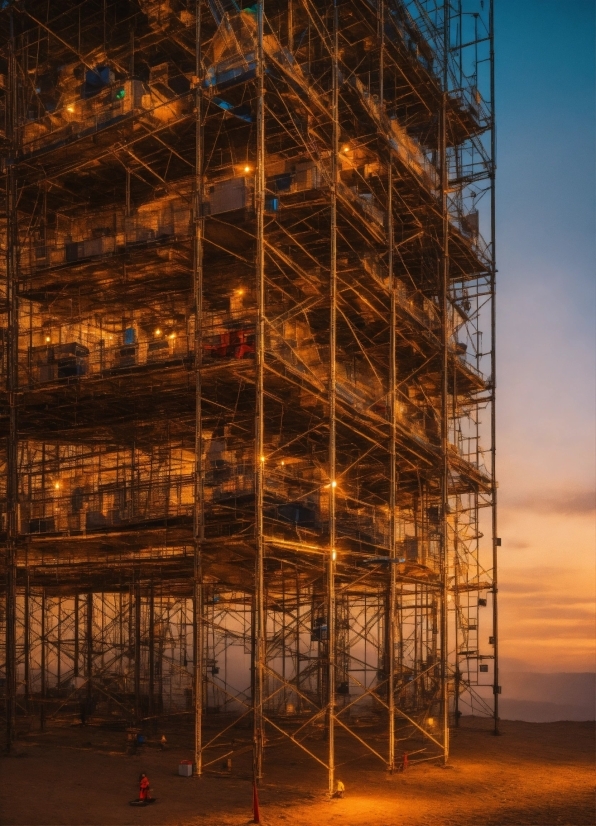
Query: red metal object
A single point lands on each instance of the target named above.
(237, 344)
(255, 804)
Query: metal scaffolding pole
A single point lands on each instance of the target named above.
(331, 559)
(444, 297)
(151, 652)
(43, 660)
(76, 618)
(199, 471)
(392, 606)
(27, 641)
(493, 343)
(89, 635)
(259, 456)
(391, 609)
(137, 653)
(12, 378)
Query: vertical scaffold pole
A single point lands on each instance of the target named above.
(27, 639)
(444, 290)
(392, 607)
(75, 655)
(137, 652)
(259, 614)
(331, 638)
(12, 276)
(199, 498)
(89, 636)
(151, 652)
(291, 25)
(390, 618)
(493, 344)
(43, 659)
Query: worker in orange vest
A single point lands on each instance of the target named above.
(144, 787)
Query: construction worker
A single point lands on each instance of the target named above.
(144, 788)
(339, 789)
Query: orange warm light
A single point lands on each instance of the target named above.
(157, 333)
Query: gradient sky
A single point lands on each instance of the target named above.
(546, 331)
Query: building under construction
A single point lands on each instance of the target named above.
(248, 371)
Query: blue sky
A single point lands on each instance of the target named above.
(546, 330)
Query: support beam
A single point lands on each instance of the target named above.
(391, 618)
(445, 309)
(493, 347)
(43, 660)
(76, 633)
(199, 466)
(27, 642)
(137, 653)
(89, 647)
(12, 386)
(332, 393)
(259, 456)
(151, 646)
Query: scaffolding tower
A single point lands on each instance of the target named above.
(248, 356)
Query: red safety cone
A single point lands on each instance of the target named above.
(255, 804)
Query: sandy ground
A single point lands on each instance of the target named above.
(536, 773)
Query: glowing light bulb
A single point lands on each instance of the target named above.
(70, 108)
(333, 555)
(282, 463)
(346, 148)
(430, 721)
(158, 332)
(262, 458)
(57, 485)
(240, 291)
(48, 339)
(247, 169)
(172, 335)
(334, 484)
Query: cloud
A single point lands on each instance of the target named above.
(541, 578)
(547, 616)
(566, 503)
(545, 632)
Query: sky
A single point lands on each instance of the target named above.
(546, 302)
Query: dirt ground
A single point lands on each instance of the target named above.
(536, 773)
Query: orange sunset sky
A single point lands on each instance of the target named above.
(546, 370)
